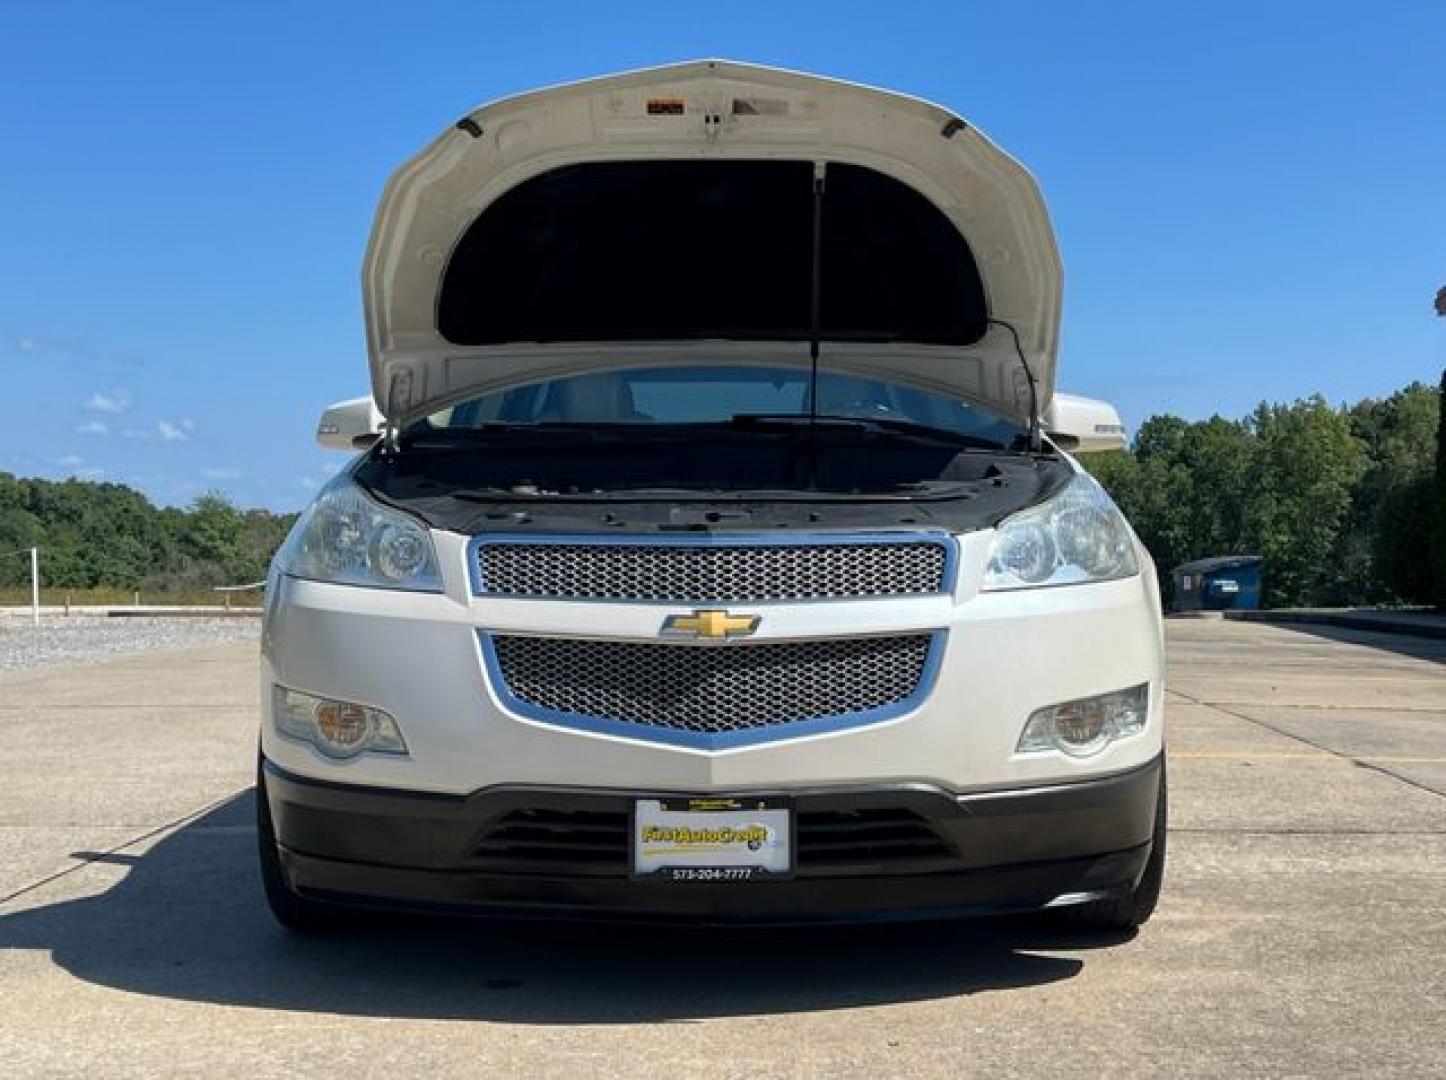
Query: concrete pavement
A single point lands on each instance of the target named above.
(1302, 930)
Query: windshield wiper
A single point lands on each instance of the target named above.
(866, 423)
(920, 492)
(611, 432)
(445, 436)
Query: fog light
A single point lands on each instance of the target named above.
(341, 725)
(1086, 726)
(339, 729)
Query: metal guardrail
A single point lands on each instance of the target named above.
(227, 591)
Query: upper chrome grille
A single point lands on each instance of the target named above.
(713, 571)
(711, 690)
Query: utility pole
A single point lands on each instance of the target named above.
(1437, 534)
(1437, 522)
(35, 585)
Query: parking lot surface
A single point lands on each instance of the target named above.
(1302, 929)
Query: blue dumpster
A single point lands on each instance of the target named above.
(1219, 583)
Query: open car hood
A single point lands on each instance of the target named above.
(670, 216)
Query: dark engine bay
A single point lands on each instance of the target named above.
(704, 477)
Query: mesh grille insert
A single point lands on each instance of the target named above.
(712, 689)
(707, 572)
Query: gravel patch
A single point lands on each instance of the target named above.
(82, 639)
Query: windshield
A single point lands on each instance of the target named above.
(718, 394)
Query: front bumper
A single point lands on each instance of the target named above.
(888, 851)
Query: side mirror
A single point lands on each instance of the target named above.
(1084, 425)
(350, 425)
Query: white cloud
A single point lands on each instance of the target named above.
(114, 403)
(52, 345)
(93, 427)
(222, 474)
(308, 483)
(167, 431)
(162, 431)
(75, 466)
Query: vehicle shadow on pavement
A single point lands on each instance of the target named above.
(188, 921)
(1419, 648)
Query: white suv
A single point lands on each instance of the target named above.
(714, 553)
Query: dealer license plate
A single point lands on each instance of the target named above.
(713, 839)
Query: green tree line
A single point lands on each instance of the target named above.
(1347, 505)
(95, 535)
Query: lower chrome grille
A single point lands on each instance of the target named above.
(711, 690)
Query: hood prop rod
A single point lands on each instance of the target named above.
(398, 393)
(1036, 442)
(815, 320)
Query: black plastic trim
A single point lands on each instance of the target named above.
(998, 851)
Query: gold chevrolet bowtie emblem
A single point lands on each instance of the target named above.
(712, 625)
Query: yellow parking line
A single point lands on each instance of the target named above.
(1233, 755)
(1253, 755)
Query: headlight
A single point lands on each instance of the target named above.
(339, 729)
(1077, 536)
(1085, 727)
(346, 538)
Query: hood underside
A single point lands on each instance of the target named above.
(704, 212)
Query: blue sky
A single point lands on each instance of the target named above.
(1250, 197)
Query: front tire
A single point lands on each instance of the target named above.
(295, 913)
(1133, 909)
